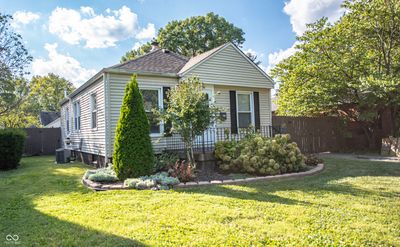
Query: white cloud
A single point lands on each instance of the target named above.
(87, 10)
(276, 57)
(302, 12)
(137, 45)
(147, 33)
(96, 30)
(250, 51)
(62, 65)
(21, 18)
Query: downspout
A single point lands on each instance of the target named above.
(107, 117)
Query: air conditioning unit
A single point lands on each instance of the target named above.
(63, 156)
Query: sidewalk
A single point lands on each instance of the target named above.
(361, 157)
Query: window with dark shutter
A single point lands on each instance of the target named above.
(256, 97)
(168, 125)
(233, 111)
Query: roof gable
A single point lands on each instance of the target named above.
(229, 65)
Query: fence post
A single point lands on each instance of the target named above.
(203, 147)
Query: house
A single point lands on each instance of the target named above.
(50, 119)
(89, 115)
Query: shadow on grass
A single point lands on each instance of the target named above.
(18, 216)
(326, 182)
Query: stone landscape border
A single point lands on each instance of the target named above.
(120, 185)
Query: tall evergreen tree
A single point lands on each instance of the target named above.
(133, 153)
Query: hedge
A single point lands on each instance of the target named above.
(11, 147)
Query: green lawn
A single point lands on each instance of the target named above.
(350, 203)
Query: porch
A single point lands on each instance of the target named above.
(205, 143)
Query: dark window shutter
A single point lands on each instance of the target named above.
(167, 125)
(232, 97)
(256, 97)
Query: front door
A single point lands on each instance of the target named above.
(207, 140)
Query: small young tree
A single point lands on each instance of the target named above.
(189, 112)
(133, 153)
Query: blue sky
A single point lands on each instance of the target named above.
(77, 38)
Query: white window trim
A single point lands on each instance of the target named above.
(67, 122)
(211, 99)
(251, 107)
(94, 94)
(76, 117)
(160, 105)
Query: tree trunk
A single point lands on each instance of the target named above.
(370, 136)
(395, 131)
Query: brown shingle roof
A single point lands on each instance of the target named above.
(159, 61)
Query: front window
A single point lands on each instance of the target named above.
(93, 110)
(77, 115)
(245, 116)
(152, 99)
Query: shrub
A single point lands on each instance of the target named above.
(312, 160)
(11, 147)
(160, 181)
(182, 170)
(164, 160)
(189, 111)
(106, 174)
(260, 155)
(133, 153)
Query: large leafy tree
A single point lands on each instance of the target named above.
(14, 58)
(349, 68)
(194, 35)
(143, 49)
(198, 34)
(47, 91)
(23, 114)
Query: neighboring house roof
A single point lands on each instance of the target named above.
(158, 61)
(48, 117)
(55, 124)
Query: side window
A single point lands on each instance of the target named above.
(244, 110)
(77, 116)
(151, 99)
(93, 108)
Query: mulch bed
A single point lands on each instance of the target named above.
(212, 179)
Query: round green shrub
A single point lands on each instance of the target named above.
(260, 155)
(106, 174)
(11, 147)
(158, 181)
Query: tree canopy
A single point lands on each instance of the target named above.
(349, 68)
(47, 91)
(14, 58)
(193, 35)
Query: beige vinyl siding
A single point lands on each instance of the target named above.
(229, 67)
(221, 96)
(93, 140)
(117, 84)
